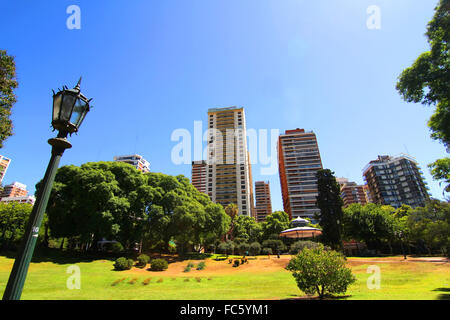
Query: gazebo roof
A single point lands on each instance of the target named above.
(300, 220)
(301, 232)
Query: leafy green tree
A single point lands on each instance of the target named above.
(247, 228)
(275, 223)
(13, 220)
(113, 200)
(8, 83)
(440, 170)
(429, 227)
(428, 81)
(330, 204)
(95, 201)
(374, 224)
(322, 272)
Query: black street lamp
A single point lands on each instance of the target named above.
(70, 107)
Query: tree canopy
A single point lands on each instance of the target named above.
(8, 83)
(428, 81)
(330, 204)
(113, 200)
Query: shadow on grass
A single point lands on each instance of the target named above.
(445, 295)
(310, 297)
(62, 257)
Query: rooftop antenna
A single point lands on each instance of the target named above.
(407, 152)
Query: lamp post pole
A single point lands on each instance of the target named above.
(19, 272)
(70, 107)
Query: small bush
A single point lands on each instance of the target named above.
(123, 263)
(236, 263)
(142, 260)
(201, 265)
(187, 269)
(275, 245)
(159, 265)
(116, 247)
(132, 281)
(243, 248)
(255, 248)
(322, 272)
(146, 281)
(191, 265)
(298, 246)
(266, 251)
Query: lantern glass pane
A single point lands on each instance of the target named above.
(56, 106)
(67, 106)
(78, 111)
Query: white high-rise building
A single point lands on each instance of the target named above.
(135, 160)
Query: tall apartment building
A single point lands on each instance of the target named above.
(4, 164)
(135, 160)
(228, 159)
(15, 189)
(199, 176)
(298, 163)
(395, 181)
(263, 206)
(352, 192)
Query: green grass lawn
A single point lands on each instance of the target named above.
(47, 280)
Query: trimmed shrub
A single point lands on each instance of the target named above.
(322, 272)
(187, 269)
(201, 265)
(255, 248)
(236, 263)
(298, 246)
(243, 247)
(275, 245)
(123, 263)
(159, 265)
(142, 260)
(116, 247)
(226, 247)
(266, 251)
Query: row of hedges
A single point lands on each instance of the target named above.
(123, 263)
(267, 247)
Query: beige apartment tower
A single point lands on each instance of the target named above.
(263, 200)
(298, 163)
(228, 159)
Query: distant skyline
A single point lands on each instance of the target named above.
(154, 67)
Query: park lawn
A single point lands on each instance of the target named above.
(259, 279)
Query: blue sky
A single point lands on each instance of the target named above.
(156, 66)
